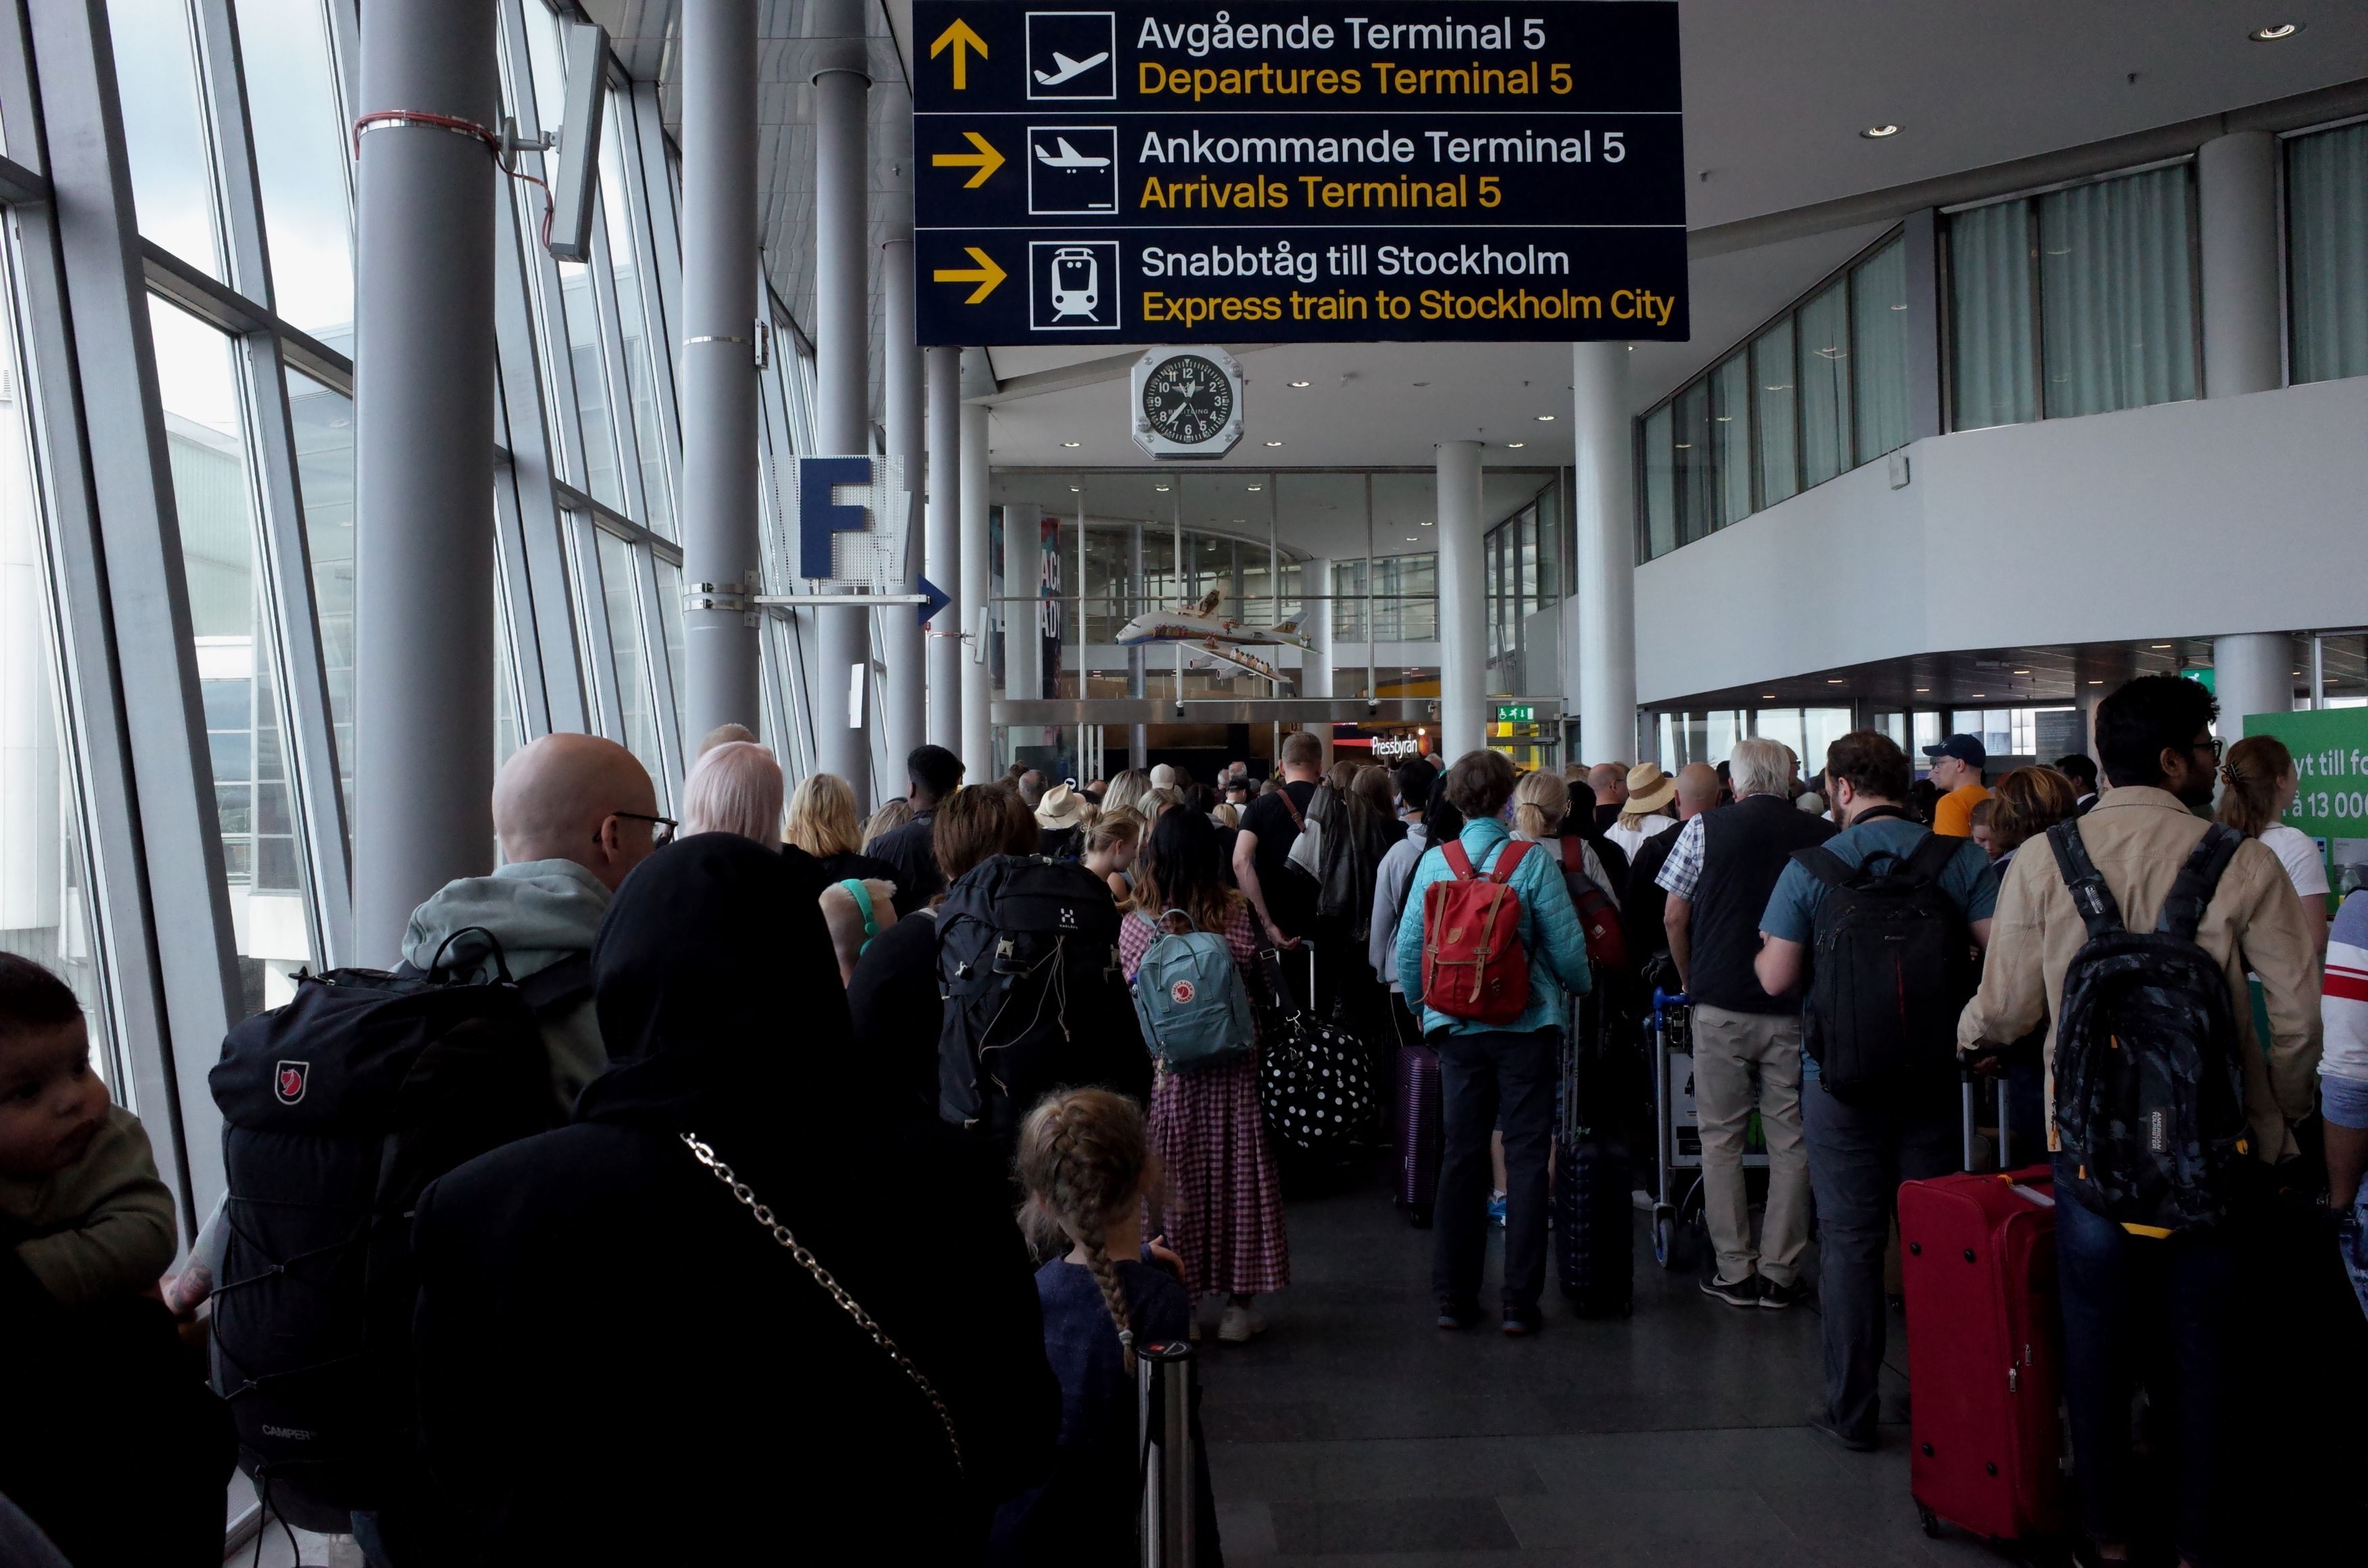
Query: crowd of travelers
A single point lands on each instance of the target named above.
(784, 1175)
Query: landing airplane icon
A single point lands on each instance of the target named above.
(1068, 157)
(1069, 68)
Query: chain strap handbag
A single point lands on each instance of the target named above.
(822, 1277)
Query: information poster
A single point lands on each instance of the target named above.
(1279, 173)
(2330, 752)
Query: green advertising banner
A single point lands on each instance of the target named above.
(2330, 752)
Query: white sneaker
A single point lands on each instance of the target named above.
(1238, 1323)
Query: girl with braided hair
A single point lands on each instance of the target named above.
(1084, 1160)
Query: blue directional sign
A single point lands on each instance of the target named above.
(1394, 171)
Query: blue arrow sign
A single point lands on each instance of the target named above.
(937, 598)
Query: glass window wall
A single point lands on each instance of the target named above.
(294, 101)
(2326, 253)
(1816, 392)
(2079, 301)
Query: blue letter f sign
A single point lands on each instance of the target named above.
(818, 519)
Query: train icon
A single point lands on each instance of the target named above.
(1073, 285)
(1076, 283)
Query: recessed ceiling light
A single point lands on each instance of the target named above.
(1767, 697)
(2272, 35)
(1161, 488)
(1512, 444)
(1923, 689)
(1068, 443)
(1429, 522)
(2162, 644)
(2096, 683)
(1298, 383)
(1877, 132)
(1410, 538)
(1274, 443)
(1979, 695)
(1545, 418)
(1833, 680)
(1256, 488)
(1073, 490)
(2022, 672)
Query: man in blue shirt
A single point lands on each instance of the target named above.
(1488, 1069)
(1860, 1150)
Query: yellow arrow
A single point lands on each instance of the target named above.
(987, 275)
(958, 38)
(987, 160)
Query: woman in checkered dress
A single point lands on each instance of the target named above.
(1224, 1207)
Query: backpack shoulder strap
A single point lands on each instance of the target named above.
(1930, 856)
(1574, 854)
(1823, 864)
(564, 984)
(2087, 885)
(1507, 858)
(1458, 860)
(2199, 878)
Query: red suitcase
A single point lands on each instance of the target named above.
(1418, 1130)
(1984, 1363)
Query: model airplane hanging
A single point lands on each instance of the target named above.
(1201, 623)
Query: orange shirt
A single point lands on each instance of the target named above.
(1953, 814)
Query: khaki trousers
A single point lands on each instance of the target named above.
(1740, 1059)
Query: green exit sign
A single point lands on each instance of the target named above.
(1516, 713)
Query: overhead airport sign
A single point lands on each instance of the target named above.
(1276, 172)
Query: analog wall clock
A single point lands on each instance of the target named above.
(1188, 403)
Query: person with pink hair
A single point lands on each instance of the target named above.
(735, 788)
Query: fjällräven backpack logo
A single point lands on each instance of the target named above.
(289, 1079)
(1183, 991)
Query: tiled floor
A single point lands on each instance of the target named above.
(1355, 1432)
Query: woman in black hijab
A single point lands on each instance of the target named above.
(617, 1362)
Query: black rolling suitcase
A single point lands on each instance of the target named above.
(1594, 1225)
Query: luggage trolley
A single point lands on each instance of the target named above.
(1678, 1135)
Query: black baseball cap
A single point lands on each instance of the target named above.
(1966, 749)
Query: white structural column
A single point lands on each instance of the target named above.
(897, 628)
(719, 389)
(842, 329)
(2237, 184)
(977, 675)
(2237, 192)
(941, 555)
(1603, 501)
(423, 452)
(1316, 597)
(2253, 673)
(1463, 604)
(1023, 608)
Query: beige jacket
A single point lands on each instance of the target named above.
(2138, 837)
(102, 1225)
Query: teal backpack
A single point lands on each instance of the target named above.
(1194, 1008)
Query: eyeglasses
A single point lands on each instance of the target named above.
(2210, 743)
(660, 837)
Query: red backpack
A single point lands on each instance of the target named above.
(1607, 940)
(1474, 966)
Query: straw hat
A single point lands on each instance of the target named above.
(1649, 789)
(1062, 807)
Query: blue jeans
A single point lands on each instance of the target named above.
(1857, 1156)
(2167, 1308)
(1487, 1081)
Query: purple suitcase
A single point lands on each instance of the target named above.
(1417, 1131)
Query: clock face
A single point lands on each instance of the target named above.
(1188, 400)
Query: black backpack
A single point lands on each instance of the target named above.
(337, 1110)
(2149, 1085)
(1028, 968)
(1891, 967)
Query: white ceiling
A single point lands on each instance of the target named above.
(1775, 96)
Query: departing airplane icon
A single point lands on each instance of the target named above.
(1069, 68)
(1068, 157)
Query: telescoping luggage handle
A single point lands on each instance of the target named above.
(1171, 1513)
(2024, 1190)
